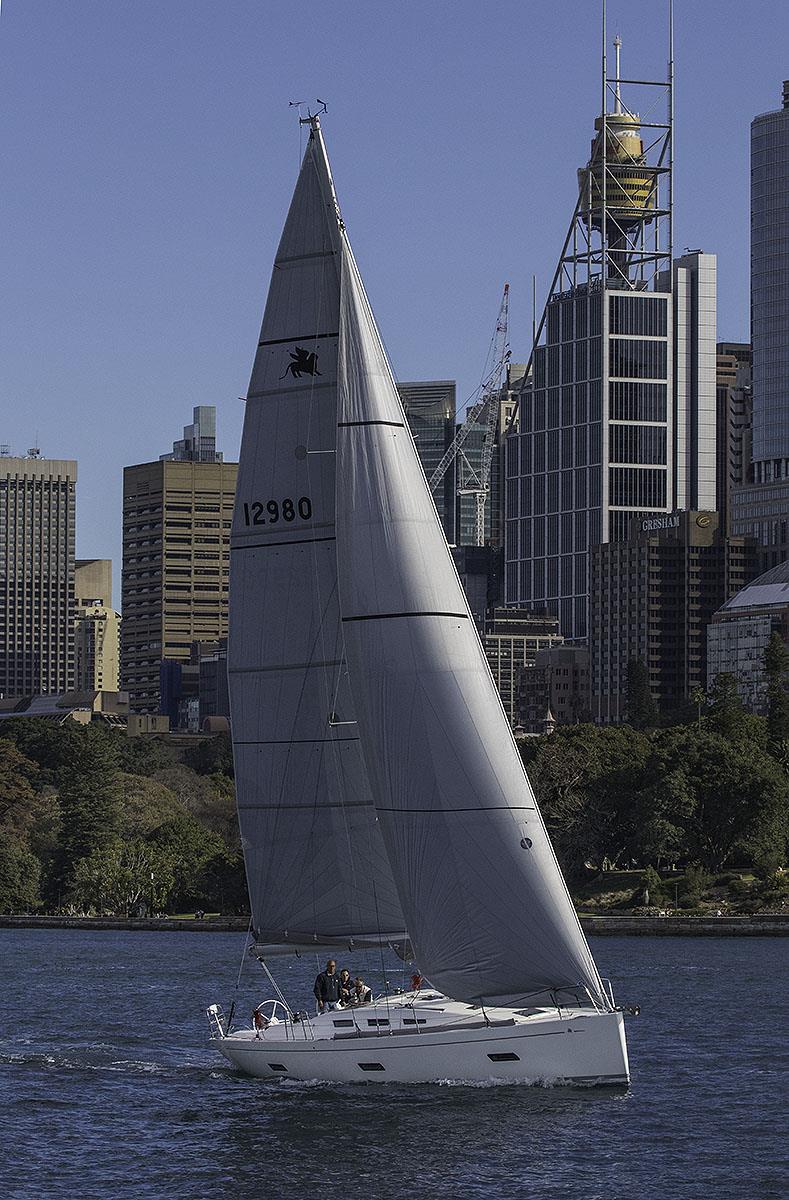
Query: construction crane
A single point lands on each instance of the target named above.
(474, 480)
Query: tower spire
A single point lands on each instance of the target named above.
(617, 92)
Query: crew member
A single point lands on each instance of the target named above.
(327, 987)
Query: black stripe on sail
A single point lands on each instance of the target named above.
(391, 424)
(390, 616)
(304, 337)
(294, 542)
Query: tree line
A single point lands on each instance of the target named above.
(710, 789)
(94, 821)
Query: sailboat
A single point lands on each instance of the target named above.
(381, 796)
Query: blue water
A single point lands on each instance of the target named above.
(109, 1089)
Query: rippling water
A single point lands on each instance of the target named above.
(108, 1087)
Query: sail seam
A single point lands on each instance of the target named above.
(306, 337)
(292, 742)
(390, 616)
(289, 666)
(441, 812)
(306, 808)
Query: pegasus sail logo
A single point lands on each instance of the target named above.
(305, 362)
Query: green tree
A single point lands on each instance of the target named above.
(735, 795)
(726, 712)
(190, 848)
(213, 756)
(88, 797)
(121, 876)
(776, 666)
(585, 779)
(19, 878)
(641, 708)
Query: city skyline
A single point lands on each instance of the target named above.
(147, 188)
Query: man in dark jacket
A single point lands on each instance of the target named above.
(327, 987)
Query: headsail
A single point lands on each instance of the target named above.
(485, 903)
(315, 862)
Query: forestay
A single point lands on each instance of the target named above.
(485, 903)
(314, 857)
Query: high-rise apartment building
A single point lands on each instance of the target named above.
(618, 421)
(430, 411)
(96, 628)
(37, 541)
(176, 542)
(761, 508)
(652, 598)
(734, 414)
(512, 640)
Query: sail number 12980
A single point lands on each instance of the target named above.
(259, 512)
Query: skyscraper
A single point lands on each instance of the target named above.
(619, 418)
(37, 539)
(96, 627)
(177, 513)
(734, 409)
(199, 441)
(761, 508)
(430, 410)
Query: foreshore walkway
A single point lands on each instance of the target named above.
(760, 925)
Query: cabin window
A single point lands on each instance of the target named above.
(343, 1024)
(412, 1021)
(278, 1067)
(504, 1058)
(377, 1021)
(372, 1066)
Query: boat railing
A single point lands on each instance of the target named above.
(217, 1021)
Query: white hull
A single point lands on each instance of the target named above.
(581, 1046)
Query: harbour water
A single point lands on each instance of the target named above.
(108, 1087)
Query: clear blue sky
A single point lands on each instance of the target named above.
(148, 155)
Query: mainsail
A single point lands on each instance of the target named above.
(485, 903)
(315, 862)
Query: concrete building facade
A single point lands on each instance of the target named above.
(96, 627)
(512, 640)
(620, 423)
(37, 544)
(734, 415)
(176, 545)
(555, 689)
(652, 598)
